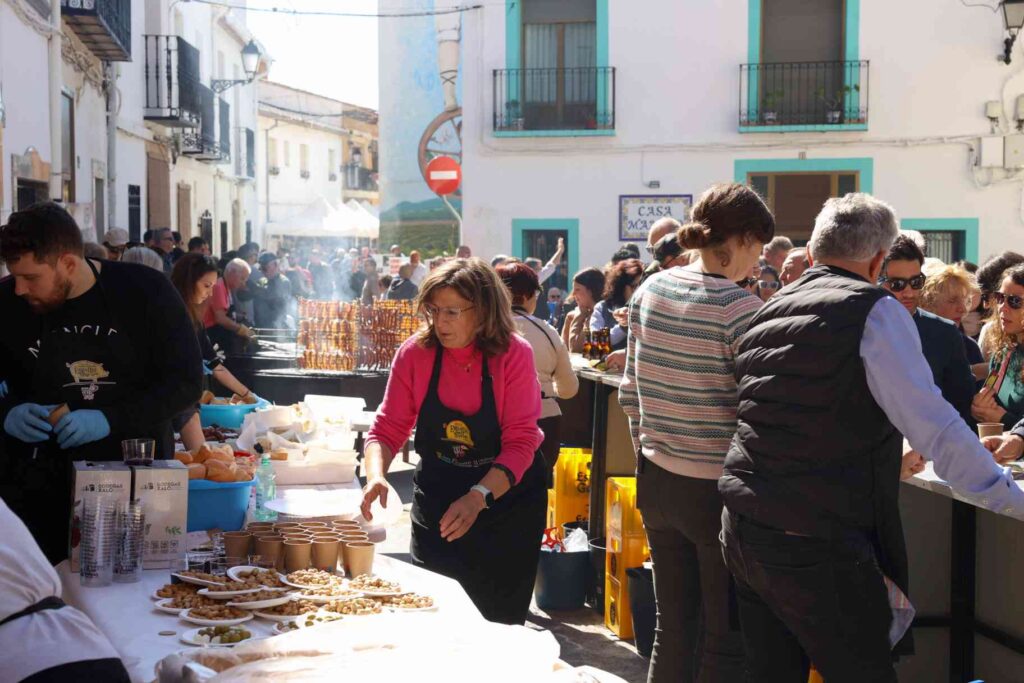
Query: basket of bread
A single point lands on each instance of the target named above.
(227, 412)
(218, 487)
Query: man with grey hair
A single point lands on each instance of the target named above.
(774, 253)
(794, 266)
(225, 325)
(831, 379)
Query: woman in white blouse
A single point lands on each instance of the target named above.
(42, 640)
(554, 371)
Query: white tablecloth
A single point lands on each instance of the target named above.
(125, 613)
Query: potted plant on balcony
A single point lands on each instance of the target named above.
(771, 99)
(514, 115)
(834, 102)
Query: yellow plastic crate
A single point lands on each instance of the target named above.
(569, 499)
(627, 547)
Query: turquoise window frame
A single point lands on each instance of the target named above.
(968, 226)
(851, 53)
(513, 60)
(863, 166)
(570, 225)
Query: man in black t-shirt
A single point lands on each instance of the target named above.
(110, 341)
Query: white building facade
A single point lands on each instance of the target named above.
(586, 119)
(172, 152)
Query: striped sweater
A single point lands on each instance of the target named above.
(679, 385)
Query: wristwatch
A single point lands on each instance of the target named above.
(485, 492)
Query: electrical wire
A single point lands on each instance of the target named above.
(328, 13)
(301, 113)
(980, 4)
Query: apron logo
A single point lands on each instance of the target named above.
(458, 431)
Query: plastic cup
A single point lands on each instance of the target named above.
(238, 543)
(271, 547)
(297, 555)
(358, 557)
(263, 562)
(325, 553)
(131, 524)
(138, 452)
(989, 429)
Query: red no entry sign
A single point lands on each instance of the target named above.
(444, 175)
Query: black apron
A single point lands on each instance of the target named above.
(496, 560)
(93, 367)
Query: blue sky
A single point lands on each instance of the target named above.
(331, 56)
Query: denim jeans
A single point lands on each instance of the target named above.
(805, 599)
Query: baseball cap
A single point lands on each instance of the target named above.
(116, 237)
(667, 247)
(266, 258)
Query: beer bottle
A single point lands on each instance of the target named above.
(587, 346)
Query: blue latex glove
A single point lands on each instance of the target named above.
(3, 389)
(81, 427)
(27, 422)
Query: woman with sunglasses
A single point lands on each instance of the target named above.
(767, 283)
(468, 383)
(989, 277)
(1002, 397)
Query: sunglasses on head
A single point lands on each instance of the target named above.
(746, 282)
(1012, 300)
(898, 284)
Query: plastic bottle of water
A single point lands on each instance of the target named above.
(266, 490)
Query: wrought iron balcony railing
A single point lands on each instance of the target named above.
(804, 95)
(360, 179)
(201, 142)
(245, 154)
(104, 26)
(224, 123)
(172, 82)
(580, 98)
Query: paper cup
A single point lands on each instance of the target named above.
(281, 526)
(355, 536)
(296, 555)
(263, 533)
(271, 547)
(358, 557)
(989, 429)
(237, 543)
(259, 526)
(314, 526)
(325, 554)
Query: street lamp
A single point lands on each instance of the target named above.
(1013, 19)
(250, 64)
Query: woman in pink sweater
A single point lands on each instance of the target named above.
(468, 383)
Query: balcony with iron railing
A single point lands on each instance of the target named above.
(172, 82)
(224, 125)
(201, 142)
(103, 26)
(803, 96)
(360, 179)
(245, 154)
(556, 101)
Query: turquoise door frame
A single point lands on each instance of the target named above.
(514, 60)
(967, 226)
(851, 53)
(570, 225)
(863, 166)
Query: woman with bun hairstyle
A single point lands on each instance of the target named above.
(194, 276)
(679, 393)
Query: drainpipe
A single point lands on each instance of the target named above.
(112, 107)
(55, 66)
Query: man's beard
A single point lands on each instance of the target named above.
(61, 290)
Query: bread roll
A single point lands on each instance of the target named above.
(243, 475)
(206, 398)
(196, 471)
(219, 455)
(57, 413)
(202, 455)
(217, 470)
(183, 457)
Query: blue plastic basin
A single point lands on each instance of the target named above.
(216, 505)
(229, 416)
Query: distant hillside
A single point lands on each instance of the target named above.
(427, 210)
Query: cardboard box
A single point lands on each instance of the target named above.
(104, 477)
(163, 489)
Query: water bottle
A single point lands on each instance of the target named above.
(266, 490)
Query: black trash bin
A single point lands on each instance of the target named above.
(641, 604)
(562, 580)
(598, 548)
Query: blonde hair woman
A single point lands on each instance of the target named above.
(948, 293)
(468, 383)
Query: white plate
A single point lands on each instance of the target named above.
(236, 572)
(197, 582)
(209, 622)
(276, 617)
(323, 600)
(191, 637)
(301, 621)
(380, 594)
(277, 628)
(400, 610)
(227, 595)
(261, 604)
(304, 585)
(162, 606)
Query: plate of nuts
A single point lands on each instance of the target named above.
(410, 602)
(173, 590)
(200, 578)
(261, 600)
(312, 578)
(216, 636)
(317, 618)
(288, 611)
(355, 607)
(215, 615)
(323, 594)
(256, 577)
(375, 586)
(181, 602)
